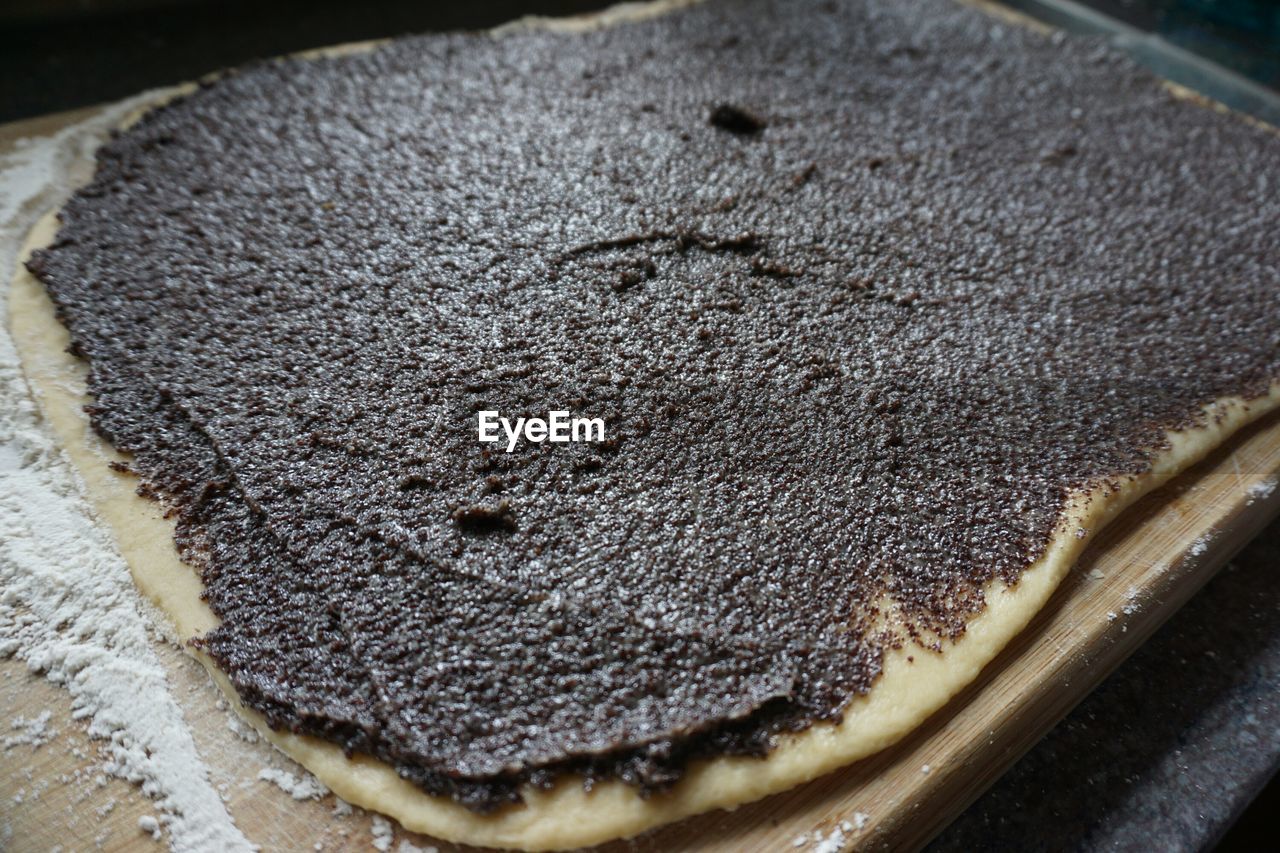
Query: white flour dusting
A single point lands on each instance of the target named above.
(832, 843)
(1131, 599)
(410, 847)
(304, 787)
(835, 840)
(383, 834)
(34, 733)
(240, 729)
(150, 826)
(1261, 490)
(67, 605)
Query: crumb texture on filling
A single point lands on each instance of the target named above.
(861, 291)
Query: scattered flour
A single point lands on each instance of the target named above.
(407, 847)
(1096, 574)
(832, 843)
(835, 840)
(1131, 602)
(68, 608)
(34, 733)
(306, 787)
(383, 834)
(149, 825)
(1261, 490)
(241, 729)
(1199, 546)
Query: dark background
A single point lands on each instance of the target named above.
(62, 54)
(1243, 35)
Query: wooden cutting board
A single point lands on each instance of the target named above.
(1134, 576)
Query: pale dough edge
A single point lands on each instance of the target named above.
(566, 816)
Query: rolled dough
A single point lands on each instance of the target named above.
(914, 683)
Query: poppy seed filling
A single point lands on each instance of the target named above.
(862, 292)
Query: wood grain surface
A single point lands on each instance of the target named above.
(1134, 576)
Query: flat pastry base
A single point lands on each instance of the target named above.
(566, 816)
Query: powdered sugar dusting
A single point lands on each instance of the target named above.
(67, 605)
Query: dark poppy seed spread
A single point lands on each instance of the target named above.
(860, 290)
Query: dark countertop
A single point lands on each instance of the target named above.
(1171, 748)
(1166, 754)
